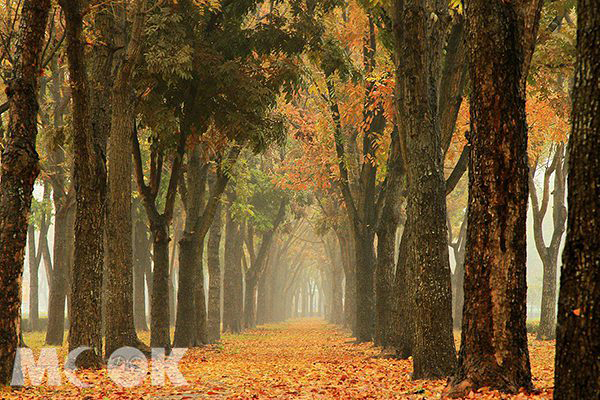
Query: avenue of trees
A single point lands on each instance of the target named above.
(190, 168)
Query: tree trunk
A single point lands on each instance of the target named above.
(63, 223)
(494, 349)
(186, 324)
(250, 302)
(200, 295)
(577, 372)
(89, 177)
(120, 330)
(233, 289)
(160, 334)
(434, 352)
(141, 257)
(404, 305)
(34, 267)
(347, 250)
(19, 171)
(214, 279)
(386, 246)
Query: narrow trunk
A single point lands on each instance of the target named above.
(232, 281)
(200, 295)
(577, 372)
(141, 257)
(34, 267)
(58, 288)
(214, 279)
(347, 250)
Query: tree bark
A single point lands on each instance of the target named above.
(63, 215)
(34, 267)
(89, 177)
(120, 329)
(420, 48)
(141, 257)
(186, 324)
(577, 368)
(494, 349)
(19, 171)
(214, 279)
(233, 290)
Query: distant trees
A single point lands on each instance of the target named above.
(577, 368)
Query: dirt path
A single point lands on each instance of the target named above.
(304, 358)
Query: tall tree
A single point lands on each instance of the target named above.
(159, 226)
(120, 329)
(89, 176)
(549, 253)
(19, 171)
(501, 37)
(63, 199)
(233, 287)
(419, 57)
(214, 278)
(577, 372)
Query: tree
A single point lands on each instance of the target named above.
(577, 368)
(549, 253)
(501, 38)
(19, 171)
(214, 278)
(420, 65)
(233, 301)
(159, 226)
(89, 177)
(120, 329)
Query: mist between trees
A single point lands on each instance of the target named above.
(407, 170)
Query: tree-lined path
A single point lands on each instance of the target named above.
(300, 358)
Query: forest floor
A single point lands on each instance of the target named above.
(303, 358)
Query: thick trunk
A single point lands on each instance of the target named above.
(120, 329)
(89, 177)
(185, 323)
(365, 289)
(19, 171)
(233, 279)
(34, 267)
(577, 372)
(434, 352)
(141, 257)
(214, 279)
(494, 349)
(386, 245)
(160, 335)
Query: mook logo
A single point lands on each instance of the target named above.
(127, 367)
